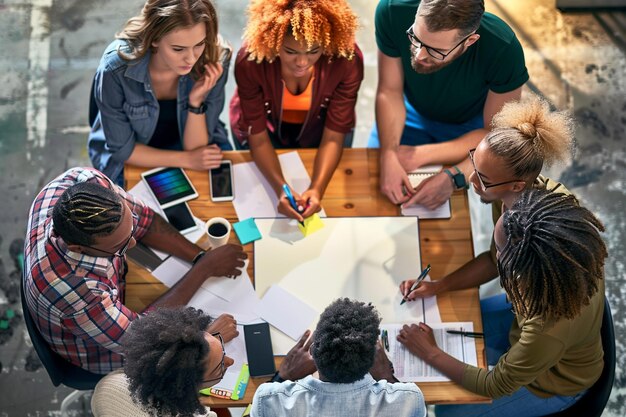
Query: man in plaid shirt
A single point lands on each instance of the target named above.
(79, 229)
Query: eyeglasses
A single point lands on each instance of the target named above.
(221, 366)
(431, 51)
(480, 179)
(124, 248)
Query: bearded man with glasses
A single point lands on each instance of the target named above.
(80, 227)
(445, 68)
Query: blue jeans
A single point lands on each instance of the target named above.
(419, 130)
(497, 317)
(522, 403)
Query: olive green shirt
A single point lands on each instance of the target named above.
(549, 358)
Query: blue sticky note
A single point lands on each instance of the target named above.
(247, 231)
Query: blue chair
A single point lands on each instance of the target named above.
(592, 403)
(60, 370)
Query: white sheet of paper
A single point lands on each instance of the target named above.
(244, 300)
(228, 288)
(254, 197)
(171, 271)
(441, 212)
(409, 368)
(286, 312)
(361, 258)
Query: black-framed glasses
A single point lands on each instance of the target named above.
(124, 248)
(221, 366)
(416, 42)
(480, 178)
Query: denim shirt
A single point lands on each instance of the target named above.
(129, 110)
(363, 398)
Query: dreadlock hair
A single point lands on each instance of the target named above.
(166, 354)
(84, 211)
(344, 342)
(553, 257)
(526, 134)
(160, 17)
(330, 23)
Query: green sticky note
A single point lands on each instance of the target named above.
(4, 324)
(9, 313)
(247, 231)
(311, 224)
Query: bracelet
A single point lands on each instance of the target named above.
(198, 256)
(277, 377)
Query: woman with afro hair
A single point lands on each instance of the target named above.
(298, 74)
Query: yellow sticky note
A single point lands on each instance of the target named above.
(311, 225)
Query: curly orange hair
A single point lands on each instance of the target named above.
(330, 23)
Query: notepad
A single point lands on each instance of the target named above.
(311, 225)
(417, 176)
(247, 231)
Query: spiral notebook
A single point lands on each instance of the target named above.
(416, 177)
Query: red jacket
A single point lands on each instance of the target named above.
(257, 102)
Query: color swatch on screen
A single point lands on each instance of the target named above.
(170, 184)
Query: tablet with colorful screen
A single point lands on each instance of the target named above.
(169, 186)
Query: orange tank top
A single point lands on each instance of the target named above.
(295, 107)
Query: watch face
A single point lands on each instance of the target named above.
(198, 110)
(459, 180)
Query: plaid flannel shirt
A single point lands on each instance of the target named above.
(76, 299)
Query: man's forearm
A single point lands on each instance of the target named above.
(163, 236)
(451, 152)
(390, 119)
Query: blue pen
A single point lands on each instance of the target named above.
(417, 282)
(292, 200)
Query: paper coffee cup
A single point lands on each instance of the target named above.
(218, 230)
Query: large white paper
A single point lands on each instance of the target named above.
(254, 197)
(171, 271)
(360, 258)
(286, 312)
(409, 368)
(243, 304)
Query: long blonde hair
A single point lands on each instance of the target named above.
(527, 134)
(160, 17)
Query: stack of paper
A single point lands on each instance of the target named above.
(416, 177)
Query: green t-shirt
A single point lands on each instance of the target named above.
(457, 92)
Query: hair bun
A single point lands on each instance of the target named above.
(527, 129)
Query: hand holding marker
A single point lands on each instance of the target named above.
(416, 283)
(292, 201)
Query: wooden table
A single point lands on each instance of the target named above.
(353, 191)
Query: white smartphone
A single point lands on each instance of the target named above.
(221, 182)
(181, 218)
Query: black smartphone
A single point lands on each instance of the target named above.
(181, 218)
(259, 349)
(221, 182)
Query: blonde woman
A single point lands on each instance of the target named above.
(159, 90)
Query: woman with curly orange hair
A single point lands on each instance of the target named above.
(298, 73)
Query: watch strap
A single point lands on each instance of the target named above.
(198, 257)
(197, 110)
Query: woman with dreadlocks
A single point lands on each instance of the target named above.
(551, 261)
(298, 73)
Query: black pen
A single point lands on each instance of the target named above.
(417, 282)
(464, 333)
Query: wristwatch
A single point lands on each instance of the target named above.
(198, 257)
(458, 179)
(197, 110)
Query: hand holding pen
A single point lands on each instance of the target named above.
(412, 286)
(294, 209)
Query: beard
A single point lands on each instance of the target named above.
(434, 65)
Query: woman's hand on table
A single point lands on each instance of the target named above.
(419, 340)
(226, 326)
(204, 158)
